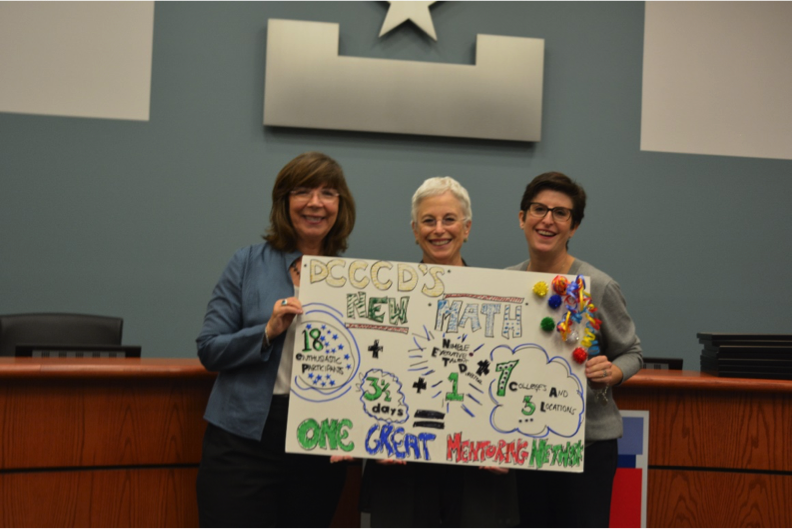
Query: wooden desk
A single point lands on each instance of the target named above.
(719, 448)
(108, 443)
(116, 443)
(100, 442)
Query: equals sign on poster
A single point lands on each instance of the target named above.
(430, 419)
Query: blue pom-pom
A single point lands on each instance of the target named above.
(555, 301)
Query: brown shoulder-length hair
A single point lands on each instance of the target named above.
(310, 169)
(557, 182)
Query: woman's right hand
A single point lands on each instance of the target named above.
(391, 462)
(284, 311)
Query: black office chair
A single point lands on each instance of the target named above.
(57, 329)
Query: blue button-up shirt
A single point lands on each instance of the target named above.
(231, 340)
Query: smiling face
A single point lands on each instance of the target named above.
(441, 229)
(312, 217)
(546, 236)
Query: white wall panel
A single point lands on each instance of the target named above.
(717, 78)
(82, 59)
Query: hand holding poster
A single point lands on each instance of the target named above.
(437, 364)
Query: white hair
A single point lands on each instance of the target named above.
(438, 185)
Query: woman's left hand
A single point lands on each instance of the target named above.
(499, 471)
(602, 373)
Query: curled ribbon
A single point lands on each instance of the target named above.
(580, 308)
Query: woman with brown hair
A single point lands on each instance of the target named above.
(245, 478)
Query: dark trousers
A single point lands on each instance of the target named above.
(246, 483)
(413, 495)
(563, 499)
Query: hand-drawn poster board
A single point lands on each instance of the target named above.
(434, 364)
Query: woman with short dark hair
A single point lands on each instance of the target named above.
(245, 478)
(551, 211)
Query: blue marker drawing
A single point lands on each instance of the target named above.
(328, 357)
(561, 404)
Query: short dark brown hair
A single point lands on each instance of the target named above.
(557, 182)
(312, 170)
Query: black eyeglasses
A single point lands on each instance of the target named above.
(540, 210)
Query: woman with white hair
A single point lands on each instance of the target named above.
(439, 495)
(441, 220)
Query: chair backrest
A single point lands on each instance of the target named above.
(57, 329)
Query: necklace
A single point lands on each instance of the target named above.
(294, 267)
(603, 396)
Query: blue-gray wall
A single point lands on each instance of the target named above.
(137, 219)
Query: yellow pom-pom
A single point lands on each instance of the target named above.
(541, 289)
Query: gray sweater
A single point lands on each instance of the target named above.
(618, 341)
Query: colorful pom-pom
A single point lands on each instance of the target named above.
(560, 284)
(580, 355)
(555, 301)
(541, 289)
(547, 324)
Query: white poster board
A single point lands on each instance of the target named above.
(433, 364)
